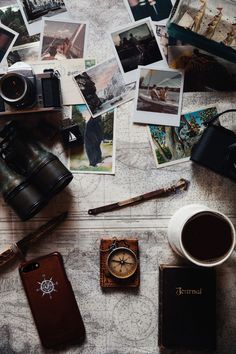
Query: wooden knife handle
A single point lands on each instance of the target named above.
(7, 256)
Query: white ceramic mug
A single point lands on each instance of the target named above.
(177, 224)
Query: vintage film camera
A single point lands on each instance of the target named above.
(21, 91)
(29, 174)
(216, 148)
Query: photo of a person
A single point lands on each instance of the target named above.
(93, 137)
(159, 94)
(135, 45)
(158, 10)
(97, 154)
(62, 40)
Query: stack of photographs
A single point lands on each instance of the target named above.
(148, 67)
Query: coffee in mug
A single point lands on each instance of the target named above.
(204, 236)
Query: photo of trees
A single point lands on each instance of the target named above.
(173, 144)
(97, 153)
(11, 16)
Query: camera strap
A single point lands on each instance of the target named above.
(217, 116)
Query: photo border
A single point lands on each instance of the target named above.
(35, 27)
(184, 159)
(64, 65)
(162, 22)
(113, 107)
(113, 149)
(132, 75)
(16, 34)
(156, 118)
(45, 19)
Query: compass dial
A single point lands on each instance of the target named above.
(122, 262)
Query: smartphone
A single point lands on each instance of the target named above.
(52, 301)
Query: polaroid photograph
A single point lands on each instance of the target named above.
(202, 72)
(11, 17)
(97, 155)
(159, 94)
(171, 145)
(62, 40)
(7, 40)
(134, 45)
(26, 53)
(33, 10)
(103, 87)
(158, 10)
(66, 69)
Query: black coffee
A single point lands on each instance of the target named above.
(207, 237)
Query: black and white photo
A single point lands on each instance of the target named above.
(103, 87)
(134, 45)
(158, 96)
(33, 11)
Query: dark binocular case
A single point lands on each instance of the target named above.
(216, 148)
(29, 174)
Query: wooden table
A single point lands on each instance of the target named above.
(118, 322)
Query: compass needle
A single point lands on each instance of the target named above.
(122, 262)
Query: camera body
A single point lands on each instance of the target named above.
(21, 91)
(216, 150)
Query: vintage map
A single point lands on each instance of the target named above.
(118, 322)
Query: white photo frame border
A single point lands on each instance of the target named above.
(48, 19)
(35, 27)
(113, 150)
(157, 118)
(132, 75)
(161, 23)
(108, 109)
(16, 34)
(184, 159)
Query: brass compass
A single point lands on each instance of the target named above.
(122, 262)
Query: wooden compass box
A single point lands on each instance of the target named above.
(106, 279)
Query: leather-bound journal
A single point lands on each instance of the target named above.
(187, 307)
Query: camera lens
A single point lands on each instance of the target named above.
(17, 90)
(13, 87)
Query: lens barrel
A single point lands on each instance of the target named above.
(50, 176)
(17, 90)
(25, 200)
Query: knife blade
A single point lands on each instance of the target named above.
(20, 247)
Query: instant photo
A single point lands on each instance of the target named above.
(158, 10)
(136, 45)
(33, 11)
(97, 155)
(62, 40)
(173, 145)
(158, 96)
(103, 87)
(11, 17)
(7, 40)
(26, 53)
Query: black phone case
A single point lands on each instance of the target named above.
(52, 301)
